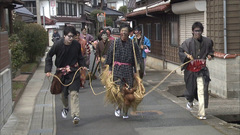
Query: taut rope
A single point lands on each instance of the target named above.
(154, 88)
(165, 78)
(72, 79)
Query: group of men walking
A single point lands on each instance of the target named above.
(121, 55)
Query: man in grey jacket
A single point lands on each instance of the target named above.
(196, 74)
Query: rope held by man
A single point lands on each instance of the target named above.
(106, 90)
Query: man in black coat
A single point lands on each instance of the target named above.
(196, 75)
(68, 59)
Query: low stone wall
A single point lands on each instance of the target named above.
(5, 96)
(225, 75)
(5, 80)
(160, 65)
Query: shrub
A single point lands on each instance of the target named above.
(109, 21)
(93, 16)
(35, 39)
(123, 9)
(94, 13)
(18, 26)
(18, 55)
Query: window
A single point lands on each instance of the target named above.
(68, 9)
(31, 6)
(80, 9)
(173, 33)
(149, 31)
(112, 5)
(60, 8)
(158, 32)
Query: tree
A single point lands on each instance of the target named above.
(35, 40)
(123, 9)
(93, 15)
(109, 21)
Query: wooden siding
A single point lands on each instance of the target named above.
(215, 25)
(161, 49)
(170, 52)
(156, 46)
(4, 51)
(186, 22)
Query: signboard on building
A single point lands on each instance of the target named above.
(53, 3)
(101, 17)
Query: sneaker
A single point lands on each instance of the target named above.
(196, 103)
(117, 112)
(125, 117)
(64, 112)
(76, 120)
(202, 117)
(190, 106)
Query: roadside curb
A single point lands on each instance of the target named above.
(220, 125)
(15, 101)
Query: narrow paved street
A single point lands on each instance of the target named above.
(156, 115)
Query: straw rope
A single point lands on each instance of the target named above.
(136, 94)
(72, 79)
(154, 88)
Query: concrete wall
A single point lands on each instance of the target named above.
(5, 80)
(225, 75)
(5, 96)
(160, 65)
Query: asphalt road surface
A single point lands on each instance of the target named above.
(156, 115)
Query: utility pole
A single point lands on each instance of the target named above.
(43, 18)
(38, 12)
(102, 4)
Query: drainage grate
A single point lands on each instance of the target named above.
(233, 118)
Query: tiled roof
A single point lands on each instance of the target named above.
(22, 10)
(12, 1)
(48, 21)
(70, 19)
(108, 11)
(150, 10)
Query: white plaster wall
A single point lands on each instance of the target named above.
(46, 6)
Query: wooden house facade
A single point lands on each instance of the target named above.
(223, 27)
(6, 103)
(167, 23)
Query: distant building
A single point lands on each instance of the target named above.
(116, 4)
(23, 14)
(58, 13)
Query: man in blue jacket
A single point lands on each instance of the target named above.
(144, 47)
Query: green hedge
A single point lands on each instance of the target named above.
(18, 54)
(35, 40)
